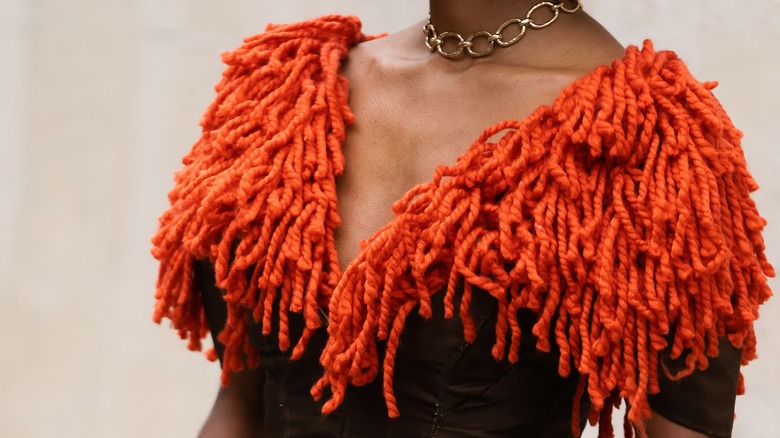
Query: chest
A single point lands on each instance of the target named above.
(406, 125)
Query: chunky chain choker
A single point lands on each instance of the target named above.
(436, 41)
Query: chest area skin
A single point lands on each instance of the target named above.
(411, 118)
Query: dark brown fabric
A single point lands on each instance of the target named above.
(445, 387)
(213, 304)
(703, 401)
(448, 388)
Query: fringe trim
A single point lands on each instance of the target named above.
(622, 210)
(257, 195)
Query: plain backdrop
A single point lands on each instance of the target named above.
(98, 102)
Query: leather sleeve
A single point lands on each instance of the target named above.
(703, 401)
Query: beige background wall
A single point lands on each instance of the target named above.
(98, 102)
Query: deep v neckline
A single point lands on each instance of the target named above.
(487, 133)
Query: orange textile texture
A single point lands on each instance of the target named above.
(620, 213)
(257, 190)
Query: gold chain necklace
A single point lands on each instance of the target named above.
(435, 40)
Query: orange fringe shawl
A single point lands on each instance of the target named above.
(622, 210)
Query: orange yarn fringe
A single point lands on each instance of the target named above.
(620, 212)
(257, 192)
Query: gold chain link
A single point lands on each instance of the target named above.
(435, 41)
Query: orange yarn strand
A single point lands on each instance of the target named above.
(619, 214)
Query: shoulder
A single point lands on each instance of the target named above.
(643, 81)
(286, 44)
(326, 29)
(299, 52)
(276, 84)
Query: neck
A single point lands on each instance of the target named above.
(468, 16)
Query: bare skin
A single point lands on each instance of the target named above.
(415, 110)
